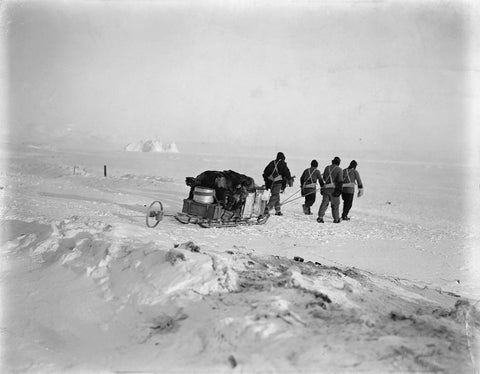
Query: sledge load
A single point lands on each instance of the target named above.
(218, 199)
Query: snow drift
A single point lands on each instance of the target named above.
(147, 306)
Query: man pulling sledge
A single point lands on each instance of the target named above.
(308, 182)
(276, 176)
(331, 191)
(351, 177)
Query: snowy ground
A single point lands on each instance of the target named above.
(87, 287)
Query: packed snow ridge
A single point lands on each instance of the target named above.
(151, 146)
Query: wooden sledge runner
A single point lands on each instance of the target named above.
(186, 218)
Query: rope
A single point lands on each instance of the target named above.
(288, 198)
(299, 197)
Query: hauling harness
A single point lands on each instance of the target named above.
(310, 185)
(275, 170)
(350, 183)
(331, 184)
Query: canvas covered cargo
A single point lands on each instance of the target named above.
(230, 188)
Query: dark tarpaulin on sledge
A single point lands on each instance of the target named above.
(231, 188)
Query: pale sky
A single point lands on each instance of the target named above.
(391, 74)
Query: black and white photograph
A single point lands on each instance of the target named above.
(239, 186)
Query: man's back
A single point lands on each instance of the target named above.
(333, 174)
(311, 176)
(276, 170)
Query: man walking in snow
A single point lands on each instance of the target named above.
(331, 191)
(308, 182)
(350, 178)
(276, 175)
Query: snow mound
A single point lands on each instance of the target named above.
(151, 146)
(133, 302)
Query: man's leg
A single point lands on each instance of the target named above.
(336, 208)
(274, 201)
(347, 204)
(309, 201)
(324, 205)
(278, 188)
(305, 205)
(311, 198)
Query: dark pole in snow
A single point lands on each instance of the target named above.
(104, 170)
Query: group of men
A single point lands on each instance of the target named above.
(334, 182)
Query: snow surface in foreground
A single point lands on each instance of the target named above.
(87, 287)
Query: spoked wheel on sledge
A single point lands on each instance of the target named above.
(154, 214)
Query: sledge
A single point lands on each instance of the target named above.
(210, 215)
(214, 201)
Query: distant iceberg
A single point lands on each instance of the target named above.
(151, 146)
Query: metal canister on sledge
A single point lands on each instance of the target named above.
(203, 195)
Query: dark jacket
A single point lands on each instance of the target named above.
(309, 178)
(276, 171)
(333, 177)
